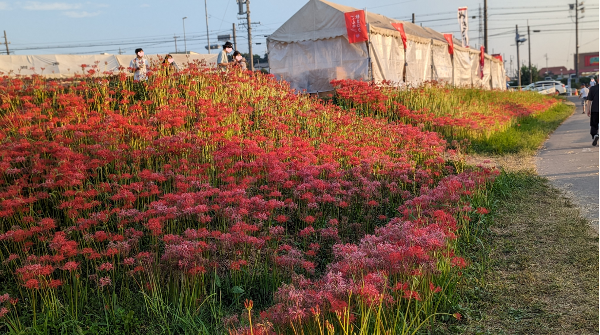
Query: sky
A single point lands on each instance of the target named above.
(79, 27)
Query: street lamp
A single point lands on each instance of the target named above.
(184, 41)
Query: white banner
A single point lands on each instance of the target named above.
(463, 22)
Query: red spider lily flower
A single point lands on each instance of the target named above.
(54, 283)
(32, 284)
(409, 294)
(104, 281)
(482, 210)
(433, 288)
(106, 267)
(70, 266)
(458, 262)
(197, 270)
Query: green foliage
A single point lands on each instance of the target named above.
(525, 75)
(527, 135)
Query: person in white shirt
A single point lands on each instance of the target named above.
(222, 60)
(139, 65)
(592, 82)
(583, 93)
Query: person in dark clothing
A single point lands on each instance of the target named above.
(592, 112)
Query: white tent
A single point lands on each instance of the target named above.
(312, 48)
(64, 66)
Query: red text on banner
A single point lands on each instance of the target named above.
(356, 26)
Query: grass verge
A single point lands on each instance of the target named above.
(538, 271)
(526, 136)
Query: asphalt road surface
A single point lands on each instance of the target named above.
(570, 161)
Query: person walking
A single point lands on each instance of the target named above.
(222, 61)
(592, 112)
(583, 93)
(139, 65)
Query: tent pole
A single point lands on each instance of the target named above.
(431, 48)
(452, 59)
(369, 64)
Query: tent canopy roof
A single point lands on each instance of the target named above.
(320, 19)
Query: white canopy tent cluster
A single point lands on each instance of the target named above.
(65, 66)
(312, 48)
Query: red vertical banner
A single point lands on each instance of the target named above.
(356, 26)
(449, 39)
(481, 60)
(400, 27)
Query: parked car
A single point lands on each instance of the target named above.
(541, 89)
(560, 87)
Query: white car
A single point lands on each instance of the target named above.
(560, 87)
(541, 89)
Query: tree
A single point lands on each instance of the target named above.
(256, 57)
(525, 75)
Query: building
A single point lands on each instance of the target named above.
(588, 62)
(560, 71)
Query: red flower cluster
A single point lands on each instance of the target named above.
(452, 112)
(194, 173)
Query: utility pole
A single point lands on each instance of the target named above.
(249, 35)
(518, 57)
(413, 17)
(249, 25)
(546, 55)
(120, 52)
(234, 38)
(6, 43)
(175, 38)
(184, 40)
(577, 9)
(207, 38)
(577, 39)
(529, 46)
(485, 25)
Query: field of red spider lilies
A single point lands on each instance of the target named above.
(211, 202)
(453, 113)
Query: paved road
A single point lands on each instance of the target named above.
(568, 159)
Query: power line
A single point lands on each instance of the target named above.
(393, 4)
(492, 9)
(529, 13)
(138, 42)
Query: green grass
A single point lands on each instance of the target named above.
(535, 268)
(526, 136)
